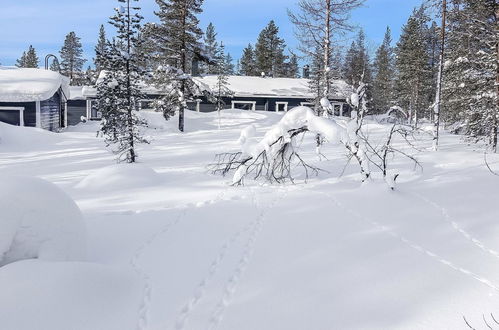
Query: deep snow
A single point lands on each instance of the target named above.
(188, 251)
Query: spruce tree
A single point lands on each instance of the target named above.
(357, 67)
(210, 49)
(29, 59)
(21, 62)
(72, 59)
(177, 39)
(384, 75)
(269, 52)
(293, 69)
(414, 75)
(100, 50)
(119, 93)
(248, 62)
(222, 87)
(229, 65)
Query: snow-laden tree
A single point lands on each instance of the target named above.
(384, 75)
(72, 60)
(471, 78)
(276, 157)
(269, 52)
(319, 23)
(248, 62)
(29, 59)
(176, 41)
(119, 92)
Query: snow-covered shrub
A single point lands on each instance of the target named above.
(120, 176)
(274, 156)
(38, 220)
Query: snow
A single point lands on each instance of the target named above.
(120, 176)
(245, 86)
(29, 85)
(38, 221)
(24, 138)
(189, 251)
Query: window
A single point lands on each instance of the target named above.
(281, 106)
(12, 115)
(244, 105)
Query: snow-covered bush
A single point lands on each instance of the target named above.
(274, 156)
(38, 220)
(120, 176)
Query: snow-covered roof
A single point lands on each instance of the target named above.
(246, 86)
(76, 93)
(29, 85)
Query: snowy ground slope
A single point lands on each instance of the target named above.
(187, 251)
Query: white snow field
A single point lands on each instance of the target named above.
(171, 246)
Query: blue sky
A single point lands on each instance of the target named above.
(44, 23)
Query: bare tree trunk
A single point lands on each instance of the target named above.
(438, 98)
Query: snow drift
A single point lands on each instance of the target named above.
(120, 176)
(67, 295)
(15, 137)
(38, 221)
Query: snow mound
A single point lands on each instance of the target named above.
(16, 138)
(30, 85)
(120, 176)
(38, 220)
(67, 295)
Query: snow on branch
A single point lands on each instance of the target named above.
(276, 155)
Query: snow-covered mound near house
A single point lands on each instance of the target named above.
(16, 138)
(67, 295)
(120, 176)
(38, 220)
(29, 85)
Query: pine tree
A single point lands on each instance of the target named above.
(413, 82)
(210, 49)
(100, 50)
(223, 71)
(384, 75)
(248, 62)
(269, 52)
(72, 59)
(119, 93)
(29, 59)
(177, 40)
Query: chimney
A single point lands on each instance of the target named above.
(306, 71)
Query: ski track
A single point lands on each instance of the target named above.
(200, 290)
(415, 246)
(249, 248)
(447, 218)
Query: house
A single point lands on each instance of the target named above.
(271, 94)
(249, 93)
(33, 97)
